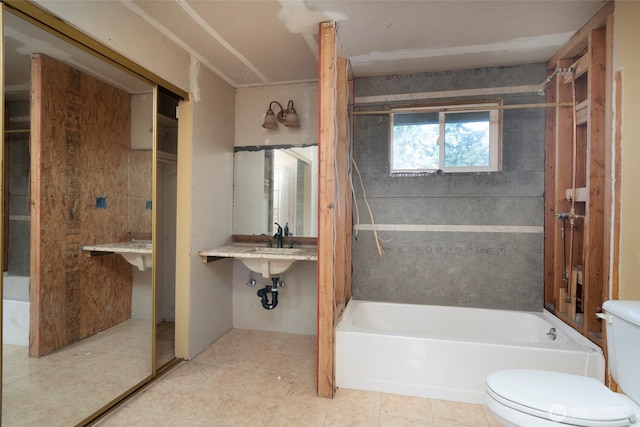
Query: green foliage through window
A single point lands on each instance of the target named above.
(449, 141)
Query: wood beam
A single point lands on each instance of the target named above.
(334, 199)
(579, 40)
(326, 207)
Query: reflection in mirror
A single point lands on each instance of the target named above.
(166, 201)
(77, 330)
(275, 185)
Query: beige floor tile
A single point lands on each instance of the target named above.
(303, 386)
(228, 380)
(244, 411)
(309, 411)
(69, 384)
(107, 388)
(160, 398)
(132, 417)
(346, 418)
(355, 401)
(191, 373)
(406, 406)
(252, 378)
(299, 344)
(459, 414)
(197, 404)
(43, 410)
(269, 384)
(399, 421)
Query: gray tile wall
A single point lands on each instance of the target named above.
(492, 270)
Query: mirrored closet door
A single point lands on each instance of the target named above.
(78, 302)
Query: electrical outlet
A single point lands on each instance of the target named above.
(101, 202)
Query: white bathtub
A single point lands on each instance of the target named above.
(15, 310)
(447, 352)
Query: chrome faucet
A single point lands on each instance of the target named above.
(278, 235)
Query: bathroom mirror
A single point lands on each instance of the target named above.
(275, 185)
(77, 330)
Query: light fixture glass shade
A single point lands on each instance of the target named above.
(288, 117)
(291, 120)
(270, 121)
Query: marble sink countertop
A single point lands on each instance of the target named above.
(136, 247)
(300, 253)
(138, 253)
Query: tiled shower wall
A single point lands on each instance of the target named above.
(475, 269)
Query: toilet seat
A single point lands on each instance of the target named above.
(558, 397)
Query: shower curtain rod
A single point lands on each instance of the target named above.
(469, 108)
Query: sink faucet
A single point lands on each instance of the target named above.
(278, 236)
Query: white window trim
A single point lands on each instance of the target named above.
(495, 136)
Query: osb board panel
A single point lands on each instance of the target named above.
(80, 153)
(140, 191)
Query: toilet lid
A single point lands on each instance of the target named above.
(560, 397)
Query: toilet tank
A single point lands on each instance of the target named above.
(623, 344)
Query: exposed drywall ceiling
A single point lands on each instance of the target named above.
(262, 42)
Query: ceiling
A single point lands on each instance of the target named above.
(266, 42)
(263, 42)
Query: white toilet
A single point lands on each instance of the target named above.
(534, 398)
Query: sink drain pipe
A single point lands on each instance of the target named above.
(262, 293)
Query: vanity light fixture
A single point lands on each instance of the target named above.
(287, 117)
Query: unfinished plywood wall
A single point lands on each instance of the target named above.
(80, 146)
(139, 194)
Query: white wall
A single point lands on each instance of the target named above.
(210, 209)
(297, 308)
(252, 104)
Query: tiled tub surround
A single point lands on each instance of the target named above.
(260, 378)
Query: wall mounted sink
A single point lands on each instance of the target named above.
(269, 262)
(137, 253)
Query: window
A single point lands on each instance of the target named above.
(451, 138)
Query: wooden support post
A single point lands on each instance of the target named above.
(326, 205)
(594, 211)
(334, 200)
(559, 134)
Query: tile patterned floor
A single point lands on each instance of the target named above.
(64, 387)
(256, 378)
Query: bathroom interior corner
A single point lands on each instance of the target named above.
(171, 162)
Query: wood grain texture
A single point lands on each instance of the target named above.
(80, 149)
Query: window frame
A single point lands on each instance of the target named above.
(494, 107)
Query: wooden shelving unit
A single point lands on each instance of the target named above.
(575, 280)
